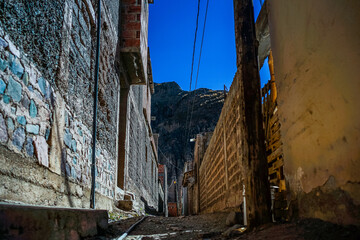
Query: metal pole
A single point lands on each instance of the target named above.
(93, 163)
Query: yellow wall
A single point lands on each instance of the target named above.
(316, 48)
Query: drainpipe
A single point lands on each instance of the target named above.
(93, 163)
(244, 205)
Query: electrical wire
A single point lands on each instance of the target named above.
(198, 67)
(167, 160)
(192, 67)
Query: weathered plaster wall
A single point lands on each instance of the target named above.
(316, 48)
(46, 111)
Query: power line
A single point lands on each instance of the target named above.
(192, 70)
(168, 159)
(194, 47)
(198, 68)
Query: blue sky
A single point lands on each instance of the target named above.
(171, 37)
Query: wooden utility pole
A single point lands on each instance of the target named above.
(254, 161)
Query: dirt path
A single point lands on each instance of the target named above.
(212, 226)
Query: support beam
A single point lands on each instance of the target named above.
(254, 161)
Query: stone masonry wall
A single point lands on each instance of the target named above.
(46, 92)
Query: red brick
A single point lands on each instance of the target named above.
(131, 42)
(129, 17)
(134, 9)
(132, 26)
(128, 34)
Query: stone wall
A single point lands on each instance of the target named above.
(46, 94)
(317, 60)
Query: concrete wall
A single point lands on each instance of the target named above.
(140, 160)
(316, 49)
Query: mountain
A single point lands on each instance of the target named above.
(171, 107)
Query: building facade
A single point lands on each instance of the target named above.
(47, 62)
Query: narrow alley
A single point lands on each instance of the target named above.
(103, 137)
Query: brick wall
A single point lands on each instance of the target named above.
(220, 173)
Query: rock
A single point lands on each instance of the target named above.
(3, 64)
(67, 138)
(6, 99)
(21, 120)
(42, 85)
(29, 147)
(19, 138)
(125, 205)
(25, 78)
(12, 47)
(10, 124)
(232, 231)
(3, 43)
(25, 101)
(73, 145)
(233, 218)
(2, 86)
(41, 149)
(14, 90)
(32, 109)
(16, 68)
(47, 134)
(3, 130)
(34, 129)
(73, 172)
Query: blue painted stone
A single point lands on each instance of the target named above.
(19, 138)
(3, 130)
(73, 145)
(29, 147)
(32, 109)
(67, 139)
(13, 110)
(21, 120)
(3, 43)
(31, 89)
(3, 64)
(67, 170)
(14, 90)
(10, 124)
(74, 160)
(16, 68)
(25, 78)
(6, 99)
(73, 172)
(80, 132)
(2, 86)
(34, 129)
(66, 119)
(42, 85)
(98, 152)
(47, 134)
